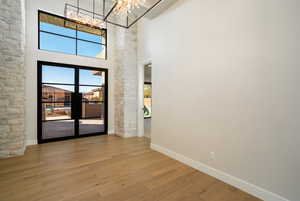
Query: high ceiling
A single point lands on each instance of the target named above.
(160, 8)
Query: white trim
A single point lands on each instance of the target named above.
(31, 142)
(140, 98)
(229, 179)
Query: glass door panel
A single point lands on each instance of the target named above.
(57, 85)
(91, 77)
(57, 93)
(91, 86)
(56, 111)
(72, 101)
(58, 129)
(57, 74)
(95, 94)
(92, 110)
(93, 125)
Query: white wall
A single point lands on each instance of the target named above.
(226, 80)
(33, 54)
(143, 59)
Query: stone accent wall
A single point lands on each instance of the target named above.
(12, 75)
(125, 89)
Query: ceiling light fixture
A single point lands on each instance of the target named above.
(126, 6)
(83, 16)
(122, 13)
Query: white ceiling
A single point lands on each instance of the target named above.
(160, 8)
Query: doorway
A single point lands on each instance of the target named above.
(72, 101)
(147, 99)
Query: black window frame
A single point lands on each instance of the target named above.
(76, 85)
(70, 37)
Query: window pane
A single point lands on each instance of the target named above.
(90, 37)
(52, 74)
(88, 126)
(57, 29)
(90, 49)
(56, 111)
(92, 110)
(147, 100)
(91, 77)
(92, 93)
(61, 26)
(57, 43)
(57, 93)
(56, 129)
(90, 33)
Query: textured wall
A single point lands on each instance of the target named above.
(12, 37)
(126, 104)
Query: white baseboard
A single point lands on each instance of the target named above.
(31, 142)
(236, 182)
(111, 132)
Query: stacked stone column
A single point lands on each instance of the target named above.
(125, 90)
(12, 77)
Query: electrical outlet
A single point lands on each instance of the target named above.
(212, 156)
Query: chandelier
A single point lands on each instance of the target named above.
(83, 16)
(126, 6)
(122, 13)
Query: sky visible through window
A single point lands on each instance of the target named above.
(61, 75)
(68, 45)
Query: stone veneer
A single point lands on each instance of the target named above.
(12, 97)
(125, 80)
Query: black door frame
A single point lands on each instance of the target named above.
(39, 101)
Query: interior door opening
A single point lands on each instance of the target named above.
(147, 99)
(72, 101)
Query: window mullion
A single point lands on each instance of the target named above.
(66, 38)
(49, 32)
(76, 39)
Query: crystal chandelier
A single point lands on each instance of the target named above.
(126, 6)
(82, 16)
(122, 13)
(85, 19)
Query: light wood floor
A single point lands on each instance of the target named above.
(106, 169)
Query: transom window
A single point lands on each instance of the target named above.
(59, 34)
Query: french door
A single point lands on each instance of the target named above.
(72, 101)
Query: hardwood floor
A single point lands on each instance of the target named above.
(106, 168)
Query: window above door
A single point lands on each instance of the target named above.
(59, 34)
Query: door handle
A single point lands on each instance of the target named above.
(73, 106)
(79, 105)
(76, 105)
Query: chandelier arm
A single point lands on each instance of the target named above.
(93, 9)
(113, 23)
(111, 10)
(103, 6)
(149, 9)
(127, 19)
(77, 7)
